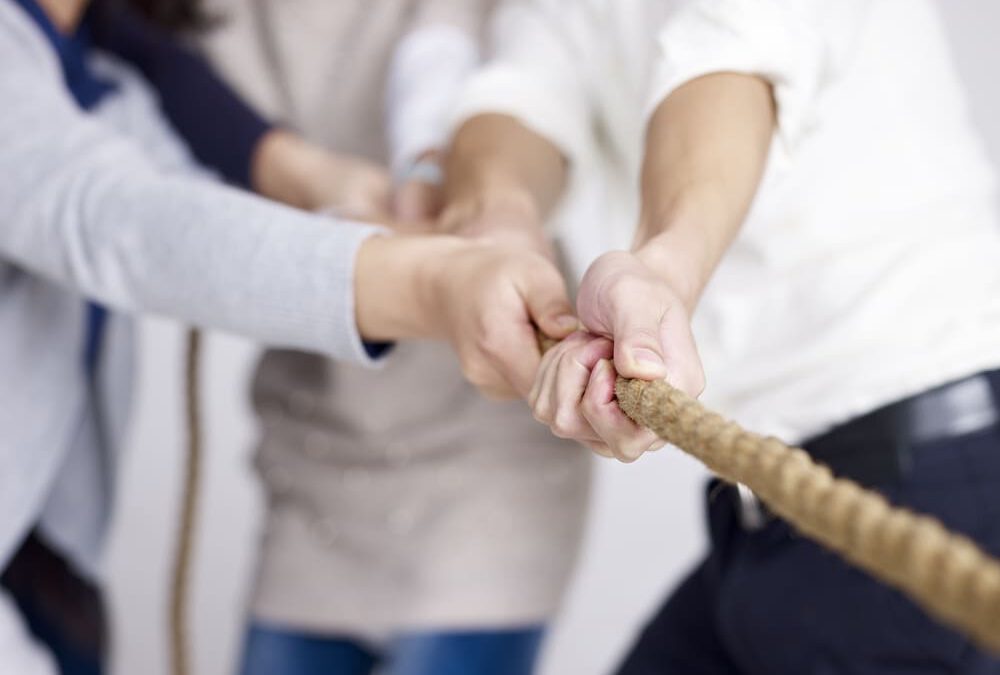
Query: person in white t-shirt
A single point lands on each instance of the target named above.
(817, 226)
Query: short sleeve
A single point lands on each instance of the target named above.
(800, 46)
(533, 75)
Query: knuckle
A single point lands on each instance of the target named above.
(542, 415)
(565, 423)
(631, 447)
(477, 372)
(490, 342)
(629, 454)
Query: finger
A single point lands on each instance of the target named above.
(601, 448)
(548, 302)
(626, 440)
(485, 377)
(540, 397)
(571, 382)
(684, 369)
(547, 370)
(513, 351)
(636, 322)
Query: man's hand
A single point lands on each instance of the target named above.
(574, 394)
(625, 301)
(486, 299)
(289, 169)
(637, 327)
(503, 180)
(508, 218)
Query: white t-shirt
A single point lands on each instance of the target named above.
(869, 267)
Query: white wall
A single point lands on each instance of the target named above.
(645, 530)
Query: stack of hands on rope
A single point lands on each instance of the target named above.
(788, 191)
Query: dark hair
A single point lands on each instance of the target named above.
(175, 15)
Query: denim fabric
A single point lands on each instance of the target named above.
(275, 651)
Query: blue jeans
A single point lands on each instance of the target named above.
(770, 602)
(275, 651)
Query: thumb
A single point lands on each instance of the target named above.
(548, 303)
(636, 326)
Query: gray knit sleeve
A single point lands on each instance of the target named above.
(83, 207)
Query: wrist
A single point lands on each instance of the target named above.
(400, 286)
(683, 240)
(679, 264)
(281, 166)
(493, 212)
(493, 191)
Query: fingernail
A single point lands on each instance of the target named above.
(648, 357)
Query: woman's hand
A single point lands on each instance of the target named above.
(574, 394)
(289, 169)
(486, 299)
(645, 316)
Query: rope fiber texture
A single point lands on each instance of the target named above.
(180, 651)
(945, 573)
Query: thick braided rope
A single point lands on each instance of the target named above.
(945, 573)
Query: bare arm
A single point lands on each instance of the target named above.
(706, 149)
(503, 180)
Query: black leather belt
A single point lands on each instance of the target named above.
(877, 448)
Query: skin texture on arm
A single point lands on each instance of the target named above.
(289, 169)
(484, 298)
(706, 150)
(503, 180)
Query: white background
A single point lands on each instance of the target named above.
(644, 533)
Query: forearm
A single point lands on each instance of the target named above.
(495, 160)
(706, 150)
(394, 287)
(280, 166)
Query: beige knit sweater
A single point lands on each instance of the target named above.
(398, 499)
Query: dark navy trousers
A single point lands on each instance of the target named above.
(770, 602)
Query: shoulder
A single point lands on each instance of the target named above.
(23, 47)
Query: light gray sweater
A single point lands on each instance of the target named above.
(108, 206)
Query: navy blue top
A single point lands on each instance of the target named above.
(220, 129)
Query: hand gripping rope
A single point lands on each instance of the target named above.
(945, 573)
